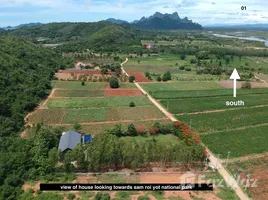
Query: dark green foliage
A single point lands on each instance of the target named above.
(131, 104)
(159, 79)
(131, 79)
(77, 127)
(131, 130)
(148, 75)
(143, 198)
(83, 83)
(182, 67)
(114, 82)
(102, 196)
(182, 56)
(167, 76)
(188, 69)
(71, 196)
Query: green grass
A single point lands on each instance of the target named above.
(85, 115)
(78, 93)
(96, 102)
(240, 142)
(177, 106)
(77, 85)
(176, 94)
(183, 85)
(231, 119)
(127, 85)
(166, 138)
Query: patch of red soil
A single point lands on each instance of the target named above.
(230, 84)
(122, 92)
(139, 77)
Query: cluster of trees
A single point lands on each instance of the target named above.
(108, 151)
(25, 74)
(166, 76)
(114, 67)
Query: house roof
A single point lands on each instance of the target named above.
(69, 140)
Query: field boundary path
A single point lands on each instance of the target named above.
(261, 80)
(213, 159)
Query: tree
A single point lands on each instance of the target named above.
(131, 104)
(182, 56)
(77, 127)
(167, 76)
(159, 79)
(67, 165)
(131, 79)
(131, 130)
(114, 82)
(246, 85)
(83, 83)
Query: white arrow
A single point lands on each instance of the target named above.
(235, 76)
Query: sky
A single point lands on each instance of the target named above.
(205, 12)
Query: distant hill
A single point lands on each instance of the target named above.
(160, 21)
(2, 30)
(116, 21)
(22, 25)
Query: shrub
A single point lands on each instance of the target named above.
(182, 56)
(131, 79)
(188, 69)
(70, 196)
(181, 67)
(131, 130)
(159, 79)
(83, 83)
(77, 127)
(246, 85)
(114, 82)
(131, 104)
(143, 198)
(167, 76)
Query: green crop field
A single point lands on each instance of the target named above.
(177, 106)
(77, 85)
(78, 93)
(127, 85)
(136, 113)
(230, 119)
(176, 94)
(96, 102)
(182, 85)
(240, 142)
(85, 115)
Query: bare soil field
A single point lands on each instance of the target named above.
(122, 92)
(258, 170)
(139, 77)
(230, 84)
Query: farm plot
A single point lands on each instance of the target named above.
(123, 92)
(239, 142)
(54, 116)
(78, 93)
(259, 171)
(77, 85)
(85, 115)
(136, 113)
(181, 85)
(230, 119)
(96, 102)
(176, 94)
(177, 106)
(139, 77)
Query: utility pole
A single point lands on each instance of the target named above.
(227, 157)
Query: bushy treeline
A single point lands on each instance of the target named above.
(25, 74)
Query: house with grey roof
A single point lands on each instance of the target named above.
(69, 140)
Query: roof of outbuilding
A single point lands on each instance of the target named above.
(69, 140)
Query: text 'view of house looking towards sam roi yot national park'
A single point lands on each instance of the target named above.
(133, 100)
